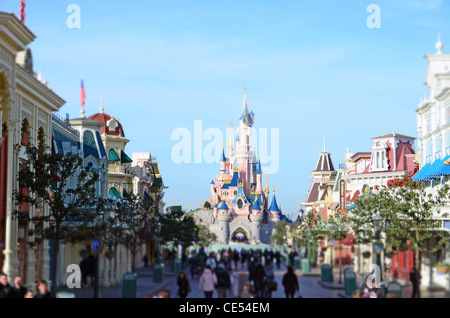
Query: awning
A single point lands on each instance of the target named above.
(112, 155)
(113, 192)
(124, 158)
(126, 195)
(349, 240)
(433, 170)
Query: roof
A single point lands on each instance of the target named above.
(223, 206)
(256, 206)
(106, 130)
(274, 206)
(258, 168)
(324, 163)
(223, 158)
(396, 135)
(234, 181)
(314, 191)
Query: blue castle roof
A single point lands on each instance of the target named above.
(258, 168)
(223, 206)
(234, 181)
(256, 206)
(223, 158)
(212, 182)
(274, 206)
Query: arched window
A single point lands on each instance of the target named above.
(382, 159)
(378, 160)
(25, 132)
(90, 147)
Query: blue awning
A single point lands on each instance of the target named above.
(421, 172)
(434, 170)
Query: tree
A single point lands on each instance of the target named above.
(409, 216)
(205, 237)
(46, 180)
(131, 223)
(207, 205)
(178, 227)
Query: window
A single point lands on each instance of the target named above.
(382, 159)
(378, 160)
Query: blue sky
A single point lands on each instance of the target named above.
(309, 66)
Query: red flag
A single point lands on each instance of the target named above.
(22, 11)
(83, 94)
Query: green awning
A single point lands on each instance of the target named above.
(124, 158)
(113, 192)
(113, 155)
(126, 195)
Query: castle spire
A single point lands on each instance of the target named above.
(266, 187)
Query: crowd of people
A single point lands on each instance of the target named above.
(20, 291)
(214, 273)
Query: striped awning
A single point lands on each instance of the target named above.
(433, 170)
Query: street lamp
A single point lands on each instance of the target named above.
(308, 234)
(158, 233)
(332, 231)
(97, 257)
(378, 220)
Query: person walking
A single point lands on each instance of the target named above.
(184, 288)
(259, 281)
(19, 289)
(270, 283)
(145, 259)
(290, 283)
(211, 261)
(208, 281)
(223, 280)
(278, 258)
(236, 259)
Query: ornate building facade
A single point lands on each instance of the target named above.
(26, 107)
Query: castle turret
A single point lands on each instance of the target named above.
(223, 163)
(213, 187)
(274, 209)
(259, 177)
(223, 219)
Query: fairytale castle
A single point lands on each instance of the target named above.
(241, 211)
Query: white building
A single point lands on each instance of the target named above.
(433, 127)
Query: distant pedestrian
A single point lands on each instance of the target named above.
(236, 259)
(42, 290)
(290, 283)
(223, 281)
(211, 261)
(145, 259)
(259, 281)
(184, 288)
(183, 260)
(271, 284)
(278, 258)
(19, 289)
(208, 282)
(6, 290)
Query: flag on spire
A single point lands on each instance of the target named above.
(83, 92)
(22, 11)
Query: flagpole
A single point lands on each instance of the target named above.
(82, 96)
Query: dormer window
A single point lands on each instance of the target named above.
(379, 157)
(112, 124)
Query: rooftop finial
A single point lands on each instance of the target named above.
(101, 107)
(439, 45)
(273, 190)
(324, 142)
